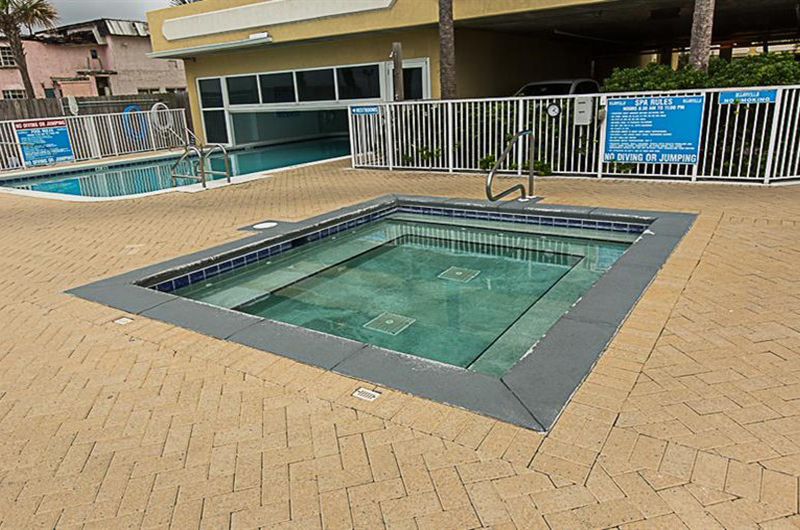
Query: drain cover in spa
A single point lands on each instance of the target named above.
(389, 323)
(459, 274)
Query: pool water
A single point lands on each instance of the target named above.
(154, 175)
(473, 294)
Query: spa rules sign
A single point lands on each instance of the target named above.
(658, 130)
(44, 142)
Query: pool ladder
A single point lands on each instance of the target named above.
(518, 187)
(202, 167)
(192, 146)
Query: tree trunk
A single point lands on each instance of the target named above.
(702, 26)
(15, 43)
(447, 50)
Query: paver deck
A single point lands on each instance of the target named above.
(690, 419)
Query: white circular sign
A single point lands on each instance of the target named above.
(553, 110)
(264, 226)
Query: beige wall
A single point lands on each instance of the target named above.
(357, 49)
(401, 14)
(498, 64)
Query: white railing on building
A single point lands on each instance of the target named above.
(98, 136)
(741, 142)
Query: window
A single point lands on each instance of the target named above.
(175, 90)
(216, 130)
(555, 88)
(359, 82)
(266, 126)
(147, 90)
(49, 93)
(7, 57)
(210, 93)
(214, 115)
(242, 90)
(13, 94)
(277, 88)
(316, 85)
(587, 87)
(93, 53)
(412, 83)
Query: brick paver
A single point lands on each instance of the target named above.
(690, 419)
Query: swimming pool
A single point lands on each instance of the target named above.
(499, 308)
(144, 177)
(475, 296)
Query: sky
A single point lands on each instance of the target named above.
(80, 10)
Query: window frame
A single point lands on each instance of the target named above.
(385, 84)
(7, 57)
(19, 94)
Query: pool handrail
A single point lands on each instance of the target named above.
(523, 196)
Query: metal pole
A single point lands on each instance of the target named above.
(397, 61)
(773, 135)
(387, 109)
(602, 116)
(450, 136)
(531, 177)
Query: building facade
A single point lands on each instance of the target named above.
(96, 58)
(259, 70)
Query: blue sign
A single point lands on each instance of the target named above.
(746, 97)
(362, 111)
(657, 130)
(44, 142)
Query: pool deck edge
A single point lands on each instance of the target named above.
(532, 394)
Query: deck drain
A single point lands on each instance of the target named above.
(459, 274)
(123, 320)
(366, 395)
(389, 323)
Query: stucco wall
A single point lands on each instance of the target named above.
(399, 14)
(128, 56)
(46, 61)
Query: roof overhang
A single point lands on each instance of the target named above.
(183, 53)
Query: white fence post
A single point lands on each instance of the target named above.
(19, 145)
(450, 146)
(601, 150)
(112, 134)
(696, 165)
(94, 139)
(351, 119)
(773, 135)
(521, 150)
(389, 137)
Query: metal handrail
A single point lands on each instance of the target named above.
(200, 167)
(191, 144)
(518, 187)
(221, 148)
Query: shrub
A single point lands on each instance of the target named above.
(756, 70)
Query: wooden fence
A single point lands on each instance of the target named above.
(23, 109)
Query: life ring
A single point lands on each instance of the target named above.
(136, 128)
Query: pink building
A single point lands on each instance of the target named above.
(95, 58)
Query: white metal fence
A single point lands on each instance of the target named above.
(742, 142)
(101, 135)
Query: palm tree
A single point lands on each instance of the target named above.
(18, 14)
(702, 27)
(447, 50)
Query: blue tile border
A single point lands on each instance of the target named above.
(262, 254)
